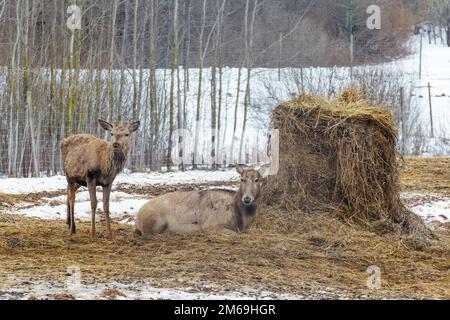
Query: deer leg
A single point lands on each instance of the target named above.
(71, 207)
(68, 206)
(106, 193)
(91, 184)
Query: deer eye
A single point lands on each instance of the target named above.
(127, 135)
(242, 180)
(257, 180)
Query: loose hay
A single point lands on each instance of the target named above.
(429, 174)
(284, 252)
(339, 156)
(316, 253)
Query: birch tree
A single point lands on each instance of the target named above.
(248, 57)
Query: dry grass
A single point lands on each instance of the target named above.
(285, 251)
(293, 253)
(426, 174)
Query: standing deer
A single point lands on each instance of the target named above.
(92, 162)
(187, 212)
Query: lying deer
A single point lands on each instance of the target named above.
(187, 212)
(92, 162)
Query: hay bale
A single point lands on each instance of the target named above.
(339, 156)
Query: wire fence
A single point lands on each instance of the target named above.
(225, 111)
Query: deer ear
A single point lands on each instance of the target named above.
(105, 125)
(134, 126)
(263, 170)
(240, 169)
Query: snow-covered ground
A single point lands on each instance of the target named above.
(434, 211)
(125, 207)
(432, 208)
(134, 291)
(269, 87)
(436, 72)
(59, 183)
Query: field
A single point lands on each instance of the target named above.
(282, 256)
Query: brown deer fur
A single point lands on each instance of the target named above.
(92, 162)
(186, 212)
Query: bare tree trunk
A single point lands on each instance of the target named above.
(154, 125)
(175, 50)
(13, 88)
(199, 91)
(236, 107)
(110, 86)
(28, 89)
(248, 53)
(215, 91)
(135, 84)
(448, 32)
(123, 81)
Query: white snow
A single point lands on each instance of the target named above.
(122, 211)
(435, 211)
(123, 206)
(431, 207)
(135, 291)
(172, 178)
(59, 183)
(436, 71)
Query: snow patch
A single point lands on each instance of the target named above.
(59, 183)
(133, 291)
(435, 211)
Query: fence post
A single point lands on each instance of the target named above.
(448, 31)
(302, 83)
(431, 110)
(402, 118)
(280, 56)
(420, 56)
(351, 55)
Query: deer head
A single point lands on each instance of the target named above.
(120, 134)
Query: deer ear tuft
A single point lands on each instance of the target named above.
(240, 169)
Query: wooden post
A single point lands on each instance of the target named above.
(402, 118)
(448, 31)
(429, 34)
(280, 56)
(420, 56)
(434, 34)
(431, 110)
(302, 83)
(351, 55)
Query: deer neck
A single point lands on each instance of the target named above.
(117, 162)
(244, 215)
